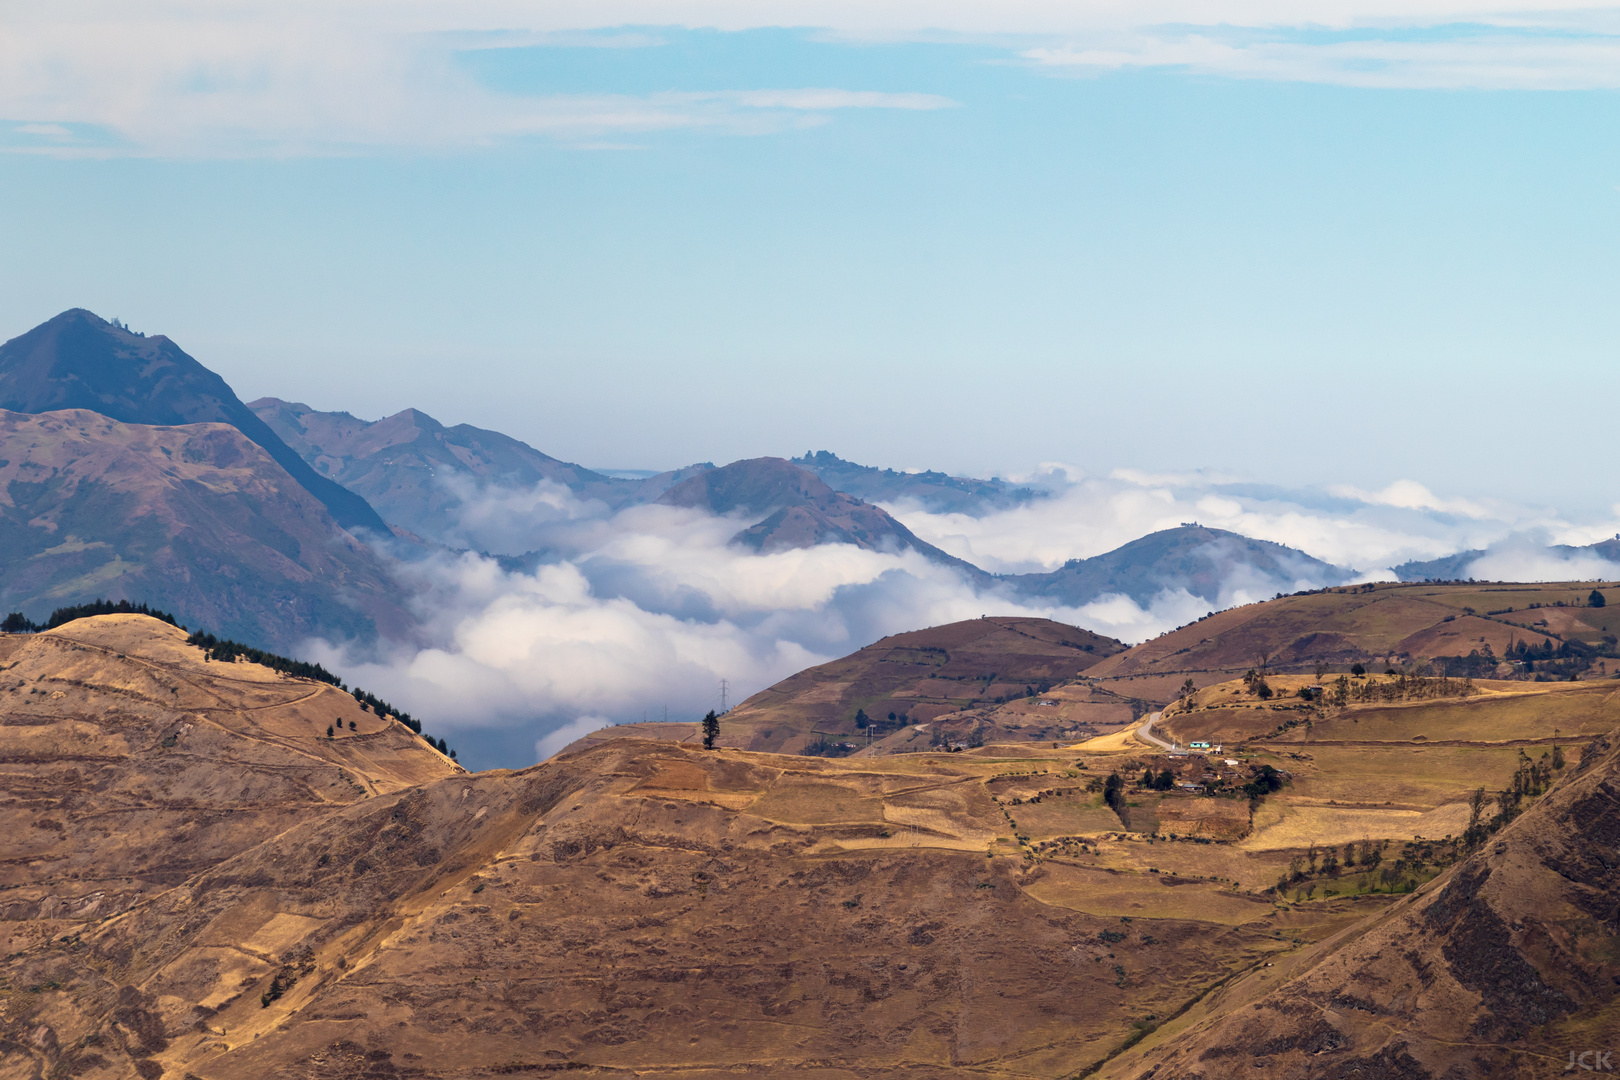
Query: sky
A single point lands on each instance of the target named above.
(1351, 243)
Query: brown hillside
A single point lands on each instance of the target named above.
(920, 675)
(648, 908)
(653, 909)
(128, 764)
(1375, 625)
(1504, 966)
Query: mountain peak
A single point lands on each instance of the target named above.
(79, 360)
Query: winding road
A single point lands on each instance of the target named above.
(1145, 732)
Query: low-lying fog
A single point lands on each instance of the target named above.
(619, 617)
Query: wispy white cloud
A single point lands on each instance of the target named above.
(246, 80)
(1468, 58)
(248, 77)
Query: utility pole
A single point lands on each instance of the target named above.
(723, 685)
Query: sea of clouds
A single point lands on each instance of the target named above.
(616, 617)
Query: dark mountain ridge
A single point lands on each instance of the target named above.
(80, 361)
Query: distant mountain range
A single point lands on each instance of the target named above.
(256, 519)
(418, 473)
(801, 511)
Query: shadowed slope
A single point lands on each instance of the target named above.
(196, 519)
(79, 361)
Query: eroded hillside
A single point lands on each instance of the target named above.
(128, 763)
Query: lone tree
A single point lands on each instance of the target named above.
(1596, 599)
(711, 730)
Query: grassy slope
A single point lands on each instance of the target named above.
(130, 764)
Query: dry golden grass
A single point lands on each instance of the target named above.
(1141, 895)
(1291, 825)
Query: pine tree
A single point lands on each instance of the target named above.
(711, 729)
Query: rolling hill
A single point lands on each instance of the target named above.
(1463, 628)
(917, 676)
(80, 361)
(129, 763)
(195, 515)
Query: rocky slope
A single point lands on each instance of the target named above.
(195, 518)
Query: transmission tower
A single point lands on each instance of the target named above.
(723, 686)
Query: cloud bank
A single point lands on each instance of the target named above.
(616, 617)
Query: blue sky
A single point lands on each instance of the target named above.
(1302, 246)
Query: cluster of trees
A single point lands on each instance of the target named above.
(370, 702)
(1404, 687)
(824, 747)
(1160, 781)
(877, 727)
(1531, 779)
(227, 651)
(1255, 682)
(18, 623)
(1266, 781)
(1114, 794)
(1329, 862)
